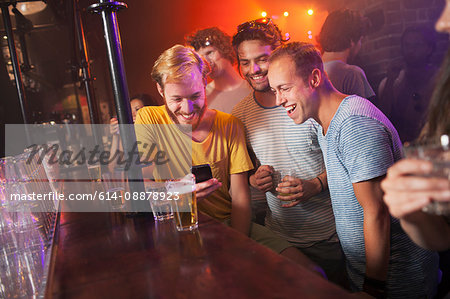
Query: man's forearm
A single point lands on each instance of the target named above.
(240, 203)
(376, 227)
(240, 219)
(320, 183)
(323, 180)
(377, 243)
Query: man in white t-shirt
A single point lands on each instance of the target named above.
(227, 87)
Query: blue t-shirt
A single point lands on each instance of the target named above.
(361, 144)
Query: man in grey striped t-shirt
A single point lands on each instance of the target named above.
(299, 206)
(359, 144)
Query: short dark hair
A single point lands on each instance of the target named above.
(305, 56)
(340, 28)
(212, 37)
(260, 29)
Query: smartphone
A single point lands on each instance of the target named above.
(202, 172)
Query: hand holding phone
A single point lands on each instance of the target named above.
(201, 172)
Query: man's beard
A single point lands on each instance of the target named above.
(200, 113)
(212, 73)
(256, 88)
(262, 89)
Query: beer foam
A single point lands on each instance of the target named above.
(181, 188)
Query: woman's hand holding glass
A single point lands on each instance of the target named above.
(408, 188)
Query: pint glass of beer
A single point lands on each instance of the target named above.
(184, 202)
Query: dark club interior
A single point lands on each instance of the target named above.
(199, 149)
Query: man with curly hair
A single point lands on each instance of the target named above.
(340, 40)
(226, 88)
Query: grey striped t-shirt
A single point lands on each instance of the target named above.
(279, 142)
(361, 144)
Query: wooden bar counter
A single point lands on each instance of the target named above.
(107, 255)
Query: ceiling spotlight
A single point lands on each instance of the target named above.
(310, 12)
(286, 14)
(264, 14)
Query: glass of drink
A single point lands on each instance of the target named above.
(438, 153)
(116, 196)
(286, 173)
(94, 171)
(184, 202)
(114, 184)
(160, 201)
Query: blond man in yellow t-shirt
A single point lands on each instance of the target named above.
(223, 148)
(216, 138)
(187, 133)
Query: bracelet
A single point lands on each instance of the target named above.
(321, 184)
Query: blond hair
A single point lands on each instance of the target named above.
(176, 63)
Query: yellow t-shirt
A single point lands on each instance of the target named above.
(224, 149)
